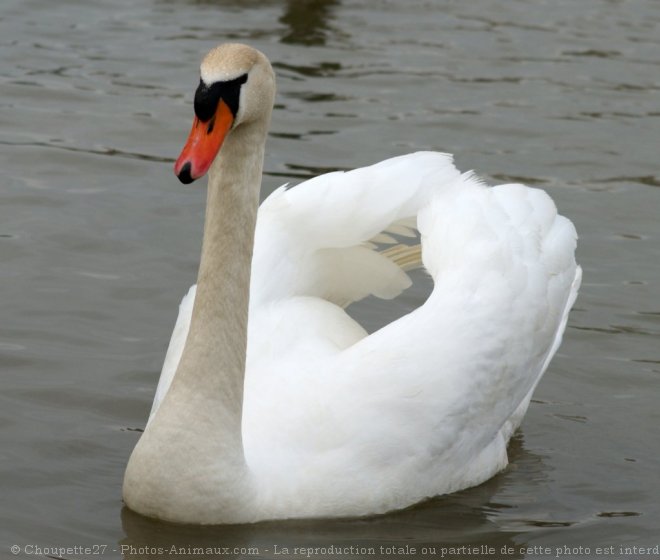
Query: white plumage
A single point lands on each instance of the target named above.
(336, 422)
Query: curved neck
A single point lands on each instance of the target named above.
(212, 367)
(192, 451)
(189, 464)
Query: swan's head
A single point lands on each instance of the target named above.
(237, 88)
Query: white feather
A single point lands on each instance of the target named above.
(338, 421)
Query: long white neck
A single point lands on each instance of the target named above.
(212, 367)
(193, 448)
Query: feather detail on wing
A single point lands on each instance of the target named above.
(336, 236)
(437, 393)
(454, 376)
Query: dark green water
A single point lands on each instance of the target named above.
(99, 241)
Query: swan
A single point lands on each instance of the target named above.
(298, 412)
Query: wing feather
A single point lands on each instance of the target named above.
(331, 228)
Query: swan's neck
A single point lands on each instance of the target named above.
(189, 463)
(213, 363)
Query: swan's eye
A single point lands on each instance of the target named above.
(208, 97)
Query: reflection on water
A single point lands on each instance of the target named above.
(448, 521)
(428, 531)
(307, 21)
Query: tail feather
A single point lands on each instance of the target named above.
(406, 257)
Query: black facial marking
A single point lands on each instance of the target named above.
(208, 97)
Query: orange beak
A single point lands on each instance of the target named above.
(203, 144)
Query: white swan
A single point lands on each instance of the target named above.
(317, 418)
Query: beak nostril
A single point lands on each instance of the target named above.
(185, 175)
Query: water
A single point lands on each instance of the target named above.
(99, 241)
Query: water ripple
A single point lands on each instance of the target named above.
(99, 151)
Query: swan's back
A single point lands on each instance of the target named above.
(336, 422)
(426, 404)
